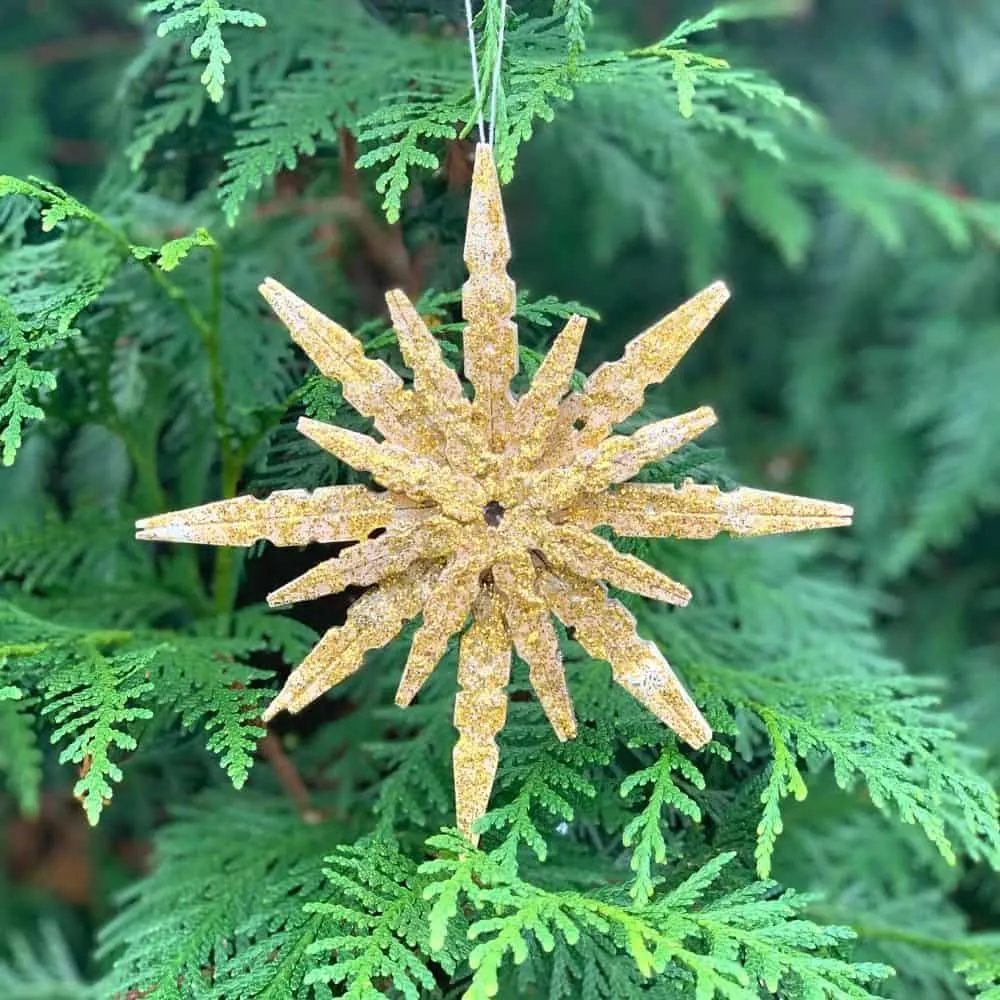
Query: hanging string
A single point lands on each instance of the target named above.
(496, 72)
(495, 82)
(477, 92)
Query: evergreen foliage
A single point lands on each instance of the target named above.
(837, 839)
(42, 969)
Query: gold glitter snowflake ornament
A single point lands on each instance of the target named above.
(489, 505)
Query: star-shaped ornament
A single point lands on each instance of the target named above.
(489, 504)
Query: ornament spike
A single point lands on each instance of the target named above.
(447, 608)
(614, 460)
(480, 713)
(536, 642)
(368, 561)
(287, 517)
(489, 301)
(372, 620)
(692, 510)
(607, 631)
(370, 386)
(623, 457)
(458, 495)
(537, 411)
(422, 355)
(617, 389)
(593, 557)
(436, 387)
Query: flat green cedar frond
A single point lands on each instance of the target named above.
(94, 698)
(905, 912)
(256, 355)
(725, 943)
(821, 689)
(60, 206)
(540, 795)
(283, 103)
(690, 26)
(20, 756)
(174, 252)
(399, 133)
(259, 627)
(540, 75)
(56, 554)
(205, 19)
(703, 86)
(223, 907)
(670, 779)
(272, 960)
(416, 790)
(95, 684)
(163, 84)
(894, 736)
(402, 108)
(930, 963)
(774, 208)
(26, 637)
(202, 680)
(301, 113)
(43, 289)
(962, 475)
(544, 312)
(578, 16)
(178, 101)
(591, 969)
(547, 786)
(642, 168)
(884, 196)
(382, 937)
(204, 677)
(981, 967)
(750, 110)
(20, 384)
(41, 967)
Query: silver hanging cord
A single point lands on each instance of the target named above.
(475, 70)
(495, 84)
(496, 72)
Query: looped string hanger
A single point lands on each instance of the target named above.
(495, 82)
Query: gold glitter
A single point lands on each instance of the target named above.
(534, 638)
(587, 555)
(488, 303)
(490, 507)
(607, 631)
(538, 409)
(371, 387)
(480, 711)
(445, 611)
(614, 460)
(369, 561)
(436, 387)
(616, 390)
(288, 517)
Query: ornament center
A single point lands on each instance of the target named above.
(493, 513)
